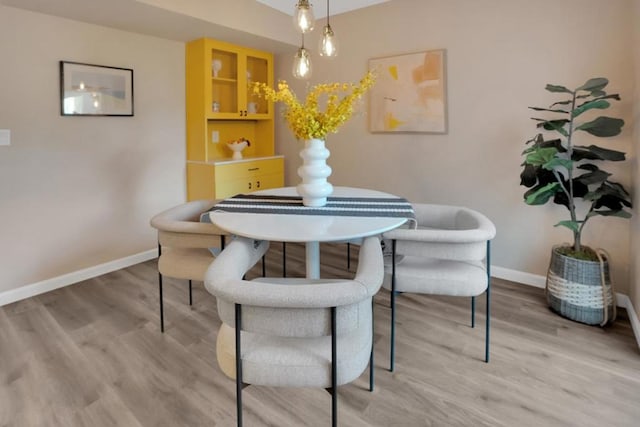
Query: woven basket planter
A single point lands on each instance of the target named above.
(580, 290)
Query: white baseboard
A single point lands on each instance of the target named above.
(34, 289)
(624, 301)
(518, 276)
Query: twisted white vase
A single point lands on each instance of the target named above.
(314, 171)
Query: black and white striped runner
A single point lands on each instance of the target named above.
(341, 206)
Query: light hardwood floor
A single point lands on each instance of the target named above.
(92, 354)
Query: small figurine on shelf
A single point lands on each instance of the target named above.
(237, 146)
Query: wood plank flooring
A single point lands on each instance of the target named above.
(92, 354)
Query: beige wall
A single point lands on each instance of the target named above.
(500, 55)
(79, 191)
(634, 291)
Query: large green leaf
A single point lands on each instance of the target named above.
(541, 156)
(595, 84)
(602, 126)
(543, 194)
(567, 102)
(557, 125)
(548, 109)
(613, 96)
(593, 152)
(541, 143)
(558, 162)
(588, 167)
(600, 104)
(556, 88)
(571, 225)
(618, 213)
(594, 177)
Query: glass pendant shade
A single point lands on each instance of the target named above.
(303, 16)
(302, 64)
(328, 43)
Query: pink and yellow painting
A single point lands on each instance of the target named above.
(409, 94)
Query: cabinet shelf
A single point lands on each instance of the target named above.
(224, 80)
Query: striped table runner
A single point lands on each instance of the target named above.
(341, 206)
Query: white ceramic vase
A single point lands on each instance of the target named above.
(314, 188)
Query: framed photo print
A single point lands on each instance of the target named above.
(95, 90)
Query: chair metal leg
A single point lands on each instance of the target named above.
(348, 256)
(284, 259)
(473, 312)
(238, 317)
(393, 304)
(334, 370)
(161, 305)
(486, 344)
(373, 336)
(160, 292)
(264, 267)
(190, 294)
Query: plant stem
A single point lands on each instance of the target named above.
(572, 206)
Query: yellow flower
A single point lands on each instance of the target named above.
(305, 120)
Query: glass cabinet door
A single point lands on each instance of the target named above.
(224, 82)
(257, 71)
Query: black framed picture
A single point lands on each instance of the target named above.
(95, 90)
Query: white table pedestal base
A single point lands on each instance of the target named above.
(313, 260)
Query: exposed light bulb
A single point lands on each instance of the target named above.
(303, 16)
(328, 43)
(302, 64)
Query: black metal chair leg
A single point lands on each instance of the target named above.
(284, 259)
(488, 318)
(473, 312)
(264, 267)
(393, 304)
(238, 317)
(348, 256)
(373, 336)
(190, 294)
(161, 305)
(334, 370)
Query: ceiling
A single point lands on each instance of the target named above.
(320, 6)
(171, 22)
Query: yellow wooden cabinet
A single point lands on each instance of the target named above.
(221, 108)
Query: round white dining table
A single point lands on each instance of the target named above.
(309, 229)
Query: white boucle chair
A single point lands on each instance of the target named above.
(185, 244)
(448, 254)
(285, 332)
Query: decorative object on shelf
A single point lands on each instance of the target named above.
(328, 43)
(578, 282)
(216, 66)
(303, 18)
(308, 123)
(411, 93)
(95, 90)
(237, 147)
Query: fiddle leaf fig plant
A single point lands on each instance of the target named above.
(556, 169)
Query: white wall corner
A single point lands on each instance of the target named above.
(38, 288)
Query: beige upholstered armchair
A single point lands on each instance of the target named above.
(448, 254)
(293, 332)
(185, 244)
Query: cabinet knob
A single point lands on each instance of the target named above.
(249, 186)
(258, 184)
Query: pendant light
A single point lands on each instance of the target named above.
(303, 16)
(302, 63)
(328, 43)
